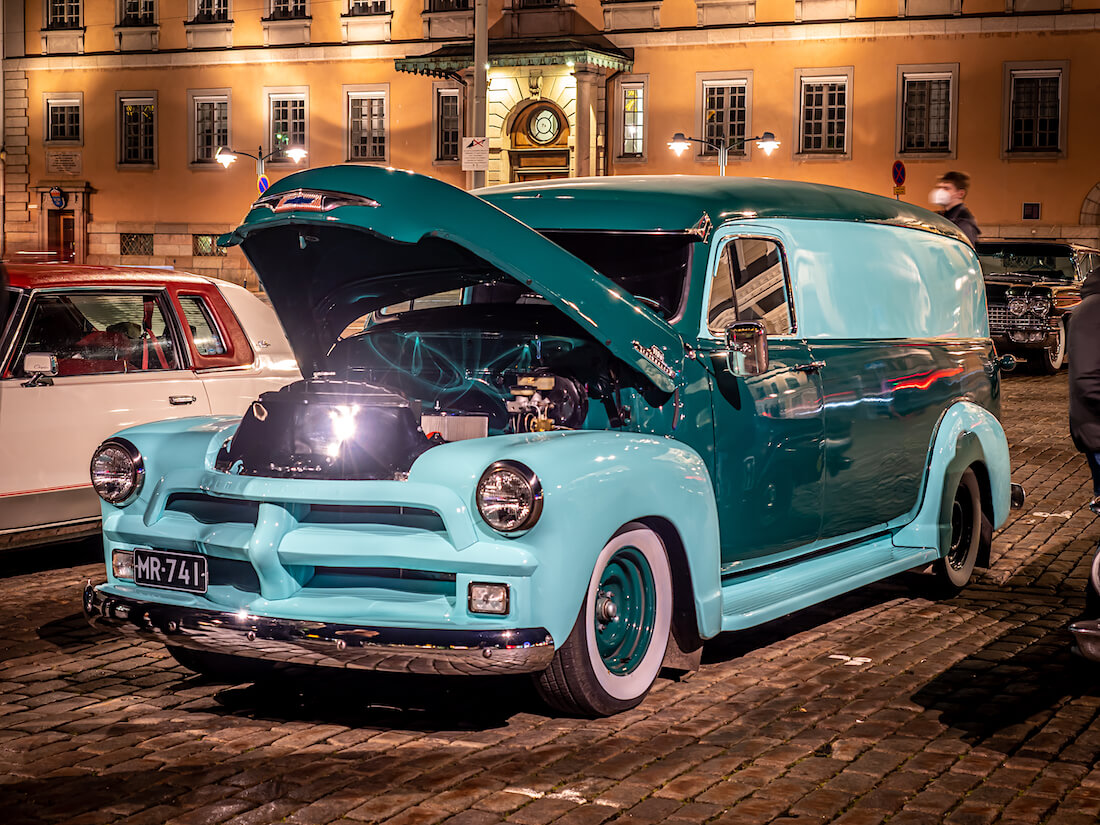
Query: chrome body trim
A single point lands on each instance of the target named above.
(325, 644)
(1087, 634)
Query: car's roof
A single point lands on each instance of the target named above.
(52, 276)
(677, 202)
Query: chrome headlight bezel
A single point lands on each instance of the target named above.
(136, 472)
(1017, 305)
(1040, 305)
(530, 482)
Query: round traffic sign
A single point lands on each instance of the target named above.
(898, 173)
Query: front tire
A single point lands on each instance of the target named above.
(1053, 357)
(961, 535)
(617, 645)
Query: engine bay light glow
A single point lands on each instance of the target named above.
(488, 598)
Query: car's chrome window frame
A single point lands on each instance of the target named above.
(17, 298)
(159, 292)
(724, 235)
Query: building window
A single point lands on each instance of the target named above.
(63, 119)
(288, 123)
(211, 11)
(135, 243)
(633, 97)
(1036, 104)
(926, 109)
(450, 5)
(358, 8)
(137, 130)
(448, 124)
(206, 246)
(367, 126)
(725, 114)
(288, 9)
(136, 13)
(824, 113)
(62, 14)
(211, 119)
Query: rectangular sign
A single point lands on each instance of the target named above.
(171, 571)
(64, 162)
(475, 154)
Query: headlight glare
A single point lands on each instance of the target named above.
(117, 471)
(509, 497)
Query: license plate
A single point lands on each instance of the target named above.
(171, 571)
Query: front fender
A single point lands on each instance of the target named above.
(593, 483)
(967, 434)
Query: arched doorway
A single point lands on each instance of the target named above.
(539, 143)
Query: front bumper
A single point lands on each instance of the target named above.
(1087, 634)
(326, 644)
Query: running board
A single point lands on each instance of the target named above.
(754, 598)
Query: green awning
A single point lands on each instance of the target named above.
(449, 60)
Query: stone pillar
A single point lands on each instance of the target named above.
(584, 140)
(20, 231)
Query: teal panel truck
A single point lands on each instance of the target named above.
(571, 428)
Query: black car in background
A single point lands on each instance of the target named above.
(1032, 288)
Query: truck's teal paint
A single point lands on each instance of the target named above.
(827, 471)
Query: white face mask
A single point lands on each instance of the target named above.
(939, 197)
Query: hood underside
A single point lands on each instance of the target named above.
(333, 244)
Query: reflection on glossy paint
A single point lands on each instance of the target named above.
(923, 381)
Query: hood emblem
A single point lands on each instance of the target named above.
(654, 356)
(301, 200)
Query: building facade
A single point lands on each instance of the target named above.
(116, 109)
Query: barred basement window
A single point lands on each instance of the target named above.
(135, 243)
(206, 246)
(724, 116)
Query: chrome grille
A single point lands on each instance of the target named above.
(1000, 321)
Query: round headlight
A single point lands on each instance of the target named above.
(1017, 306)
(509, 497)
(117, 470)
(1039, 306)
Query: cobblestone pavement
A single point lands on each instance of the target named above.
(879, 706)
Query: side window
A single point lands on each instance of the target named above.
(203, 330)
(94, 333)
(750, 285)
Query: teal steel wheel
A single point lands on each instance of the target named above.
(961, 534)
(625, 611)
(618, 642)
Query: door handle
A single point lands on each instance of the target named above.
(181, 400)
(813, 366)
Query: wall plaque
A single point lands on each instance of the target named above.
(64, 161)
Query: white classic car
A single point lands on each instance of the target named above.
(87, 351)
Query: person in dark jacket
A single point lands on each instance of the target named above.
(949, 194)
(1084, 379)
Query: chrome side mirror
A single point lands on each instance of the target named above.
(41, 366)
(747, 342)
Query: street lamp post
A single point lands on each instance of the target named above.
(765, 142)
(226, 156)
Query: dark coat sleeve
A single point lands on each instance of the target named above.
(1084, 375)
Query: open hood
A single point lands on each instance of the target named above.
(332, 244)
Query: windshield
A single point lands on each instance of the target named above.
(1038, 260)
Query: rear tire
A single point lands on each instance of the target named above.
(961, 535)
(617, 645)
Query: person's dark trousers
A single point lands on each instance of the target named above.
(1094, 465)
